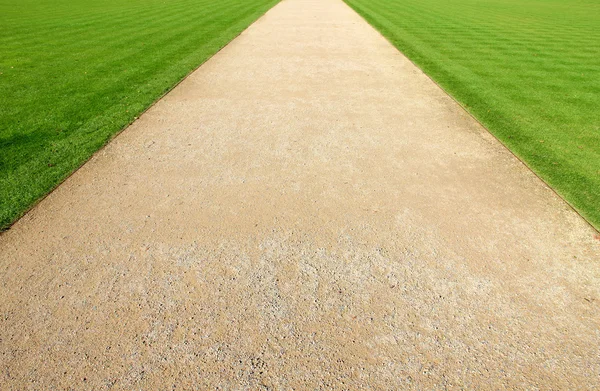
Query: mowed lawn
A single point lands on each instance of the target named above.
(75, 72)
(529, 70)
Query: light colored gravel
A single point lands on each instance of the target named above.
(305, 211)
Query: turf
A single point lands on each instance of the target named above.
(529, 70)
(75, 72)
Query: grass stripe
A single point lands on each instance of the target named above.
(73, 73)
(529, 70)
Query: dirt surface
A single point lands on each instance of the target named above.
(305, 211)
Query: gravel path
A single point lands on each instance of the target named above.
(306, 211)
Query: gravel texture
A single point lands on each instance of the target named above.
(307, 210)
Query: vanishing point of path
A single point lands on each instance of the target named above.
(306, 211)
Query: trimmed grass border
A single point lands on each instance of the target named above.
(528, 70)
(73, 73)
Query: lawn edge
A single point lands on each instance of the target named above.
(33, 205)
(470, 114)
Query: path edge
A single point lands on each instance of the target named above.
(124, 128)
(466, 110)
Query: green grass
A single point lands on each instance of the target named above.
(529, 70)
(75, 72)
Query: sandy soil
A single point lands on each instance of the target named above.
(305, 211)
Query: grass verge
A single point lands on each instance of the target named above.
(75, 72)
(529, 70)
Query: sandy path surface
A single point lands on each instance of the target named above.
(306, 211)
